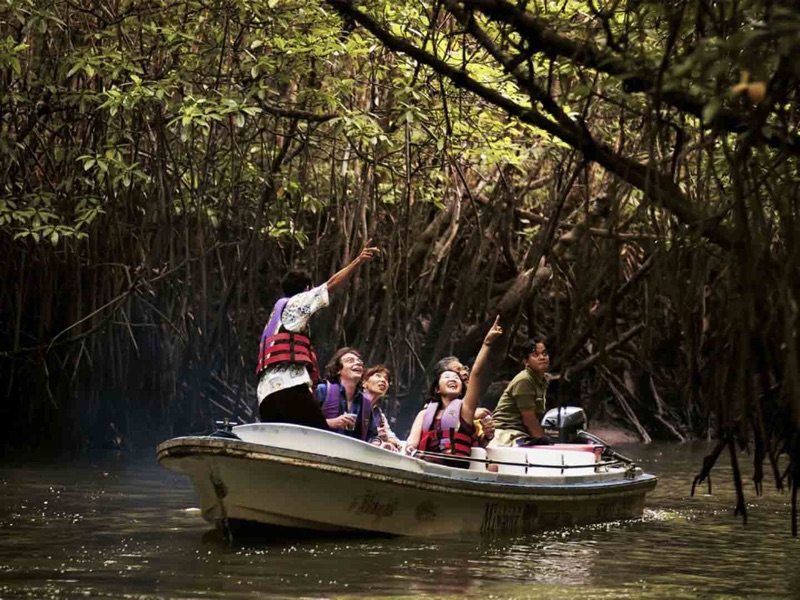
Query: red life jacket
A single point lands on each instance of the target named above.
(281, 346)
(447, 438)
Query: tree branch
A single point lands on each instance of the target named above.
(636, 76)
(658, 187)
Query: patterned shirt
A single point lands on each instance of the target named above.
(296, 315)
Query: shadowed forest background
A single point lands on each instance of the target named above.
(620, 176)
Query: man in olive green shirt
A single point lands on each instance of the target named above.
(522, 405)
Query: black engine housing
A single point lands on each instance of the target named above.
(562, 424)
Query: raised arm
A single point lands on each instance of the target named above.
(341, 276)
(477, 376)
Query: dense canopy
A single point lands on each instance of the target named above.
(618, 175)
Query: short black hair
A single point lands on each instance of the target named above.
(295, 282)
(529, 346)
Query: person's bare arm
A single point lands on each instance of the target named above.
(478, 373)
(531, 423)
(341, 276)
(416, 433)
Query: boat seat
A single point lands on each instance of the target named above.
(508, 455)
(547, 460)
(477, 453)
(558, 458)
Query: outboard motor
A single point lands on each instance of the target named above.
(562, 424)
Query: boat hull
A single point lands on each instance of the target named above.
(378, 491)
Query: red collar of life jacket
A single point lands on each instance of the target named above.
(445, 436)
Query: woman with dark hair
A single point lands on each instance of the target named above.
(445, 425)
(374, 385)
(453, 363)
(345, 408)
(484, 421)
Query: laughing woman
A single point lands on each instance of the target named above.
(375, 383)
(445, 425)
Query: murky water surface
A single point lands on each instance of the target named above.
(122, 527)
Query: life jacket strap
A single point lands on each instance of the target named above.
(292, 349)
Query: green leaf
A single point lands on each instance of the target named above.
(75, 68)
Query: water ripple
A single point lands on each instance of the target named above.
(120, 528)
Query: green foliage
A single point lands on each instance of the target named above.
(190, 102)
(157, 137)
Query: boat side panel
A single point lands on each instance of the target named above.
(291, 494)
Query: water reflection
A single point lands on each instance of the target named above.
(115, 527)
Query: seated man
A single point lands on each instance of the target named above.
(346, 409)
(522, 405)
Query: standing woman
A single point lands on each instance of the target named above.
(375, 383)
(445, 425)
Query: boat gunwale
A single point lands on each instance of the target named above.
(237, 449)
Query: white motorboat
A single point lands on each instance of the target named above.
(295, 476)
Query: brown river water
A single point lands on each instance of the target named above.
(120, 526)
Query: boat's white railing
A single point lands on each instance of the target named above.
(538, 462)
(527, 465)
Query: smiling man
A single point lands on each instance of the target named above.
(522, 405)
(346, 409)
